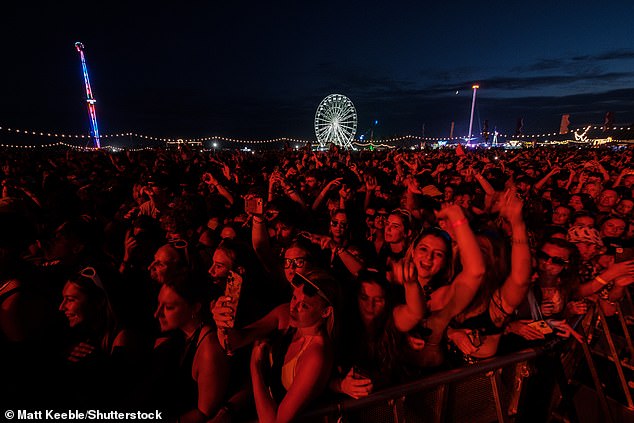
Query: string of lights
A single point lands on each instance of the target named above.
(369, 144)
(602, 128)
(383, 142)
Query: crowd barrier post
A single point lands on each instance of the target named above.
(614, 357)
(628, 338)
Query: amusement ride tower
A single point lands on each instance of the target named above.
(92, 113)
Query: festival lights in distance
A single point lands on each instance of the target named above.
(361, 141)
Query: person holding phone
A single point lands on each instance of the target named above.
(298, 337)
(371, 356)
(552, 294)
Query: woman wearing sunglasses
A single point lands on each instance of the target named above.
(302, 354)
(550, 295)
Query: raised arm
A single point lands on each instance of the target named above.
(210, 180)
(516, 285)
(320, 198)
(540, 184)
(261, 241)
(291, 192)
(626, 171)
(370, 186)
(408, 315)
(237, 338)
(468, 281)
(484, 183)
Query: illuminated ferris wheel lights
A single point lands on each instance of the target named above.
(336, 121)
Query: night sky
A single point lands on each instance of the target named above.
(258, 70)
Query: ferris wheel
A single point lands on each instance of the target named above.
(336, 121)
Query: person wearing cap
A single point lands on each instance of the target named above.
(303, 355)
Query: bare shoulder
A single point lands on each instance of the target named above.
(209, 355)
(123, 338)
(160, 341)
(208, 345)
(318, 349)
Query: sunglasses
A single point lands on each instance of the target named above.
(91, 273)
(181, 245)
(335, 223)
(297, 262)
(541, 255)
(308, 286)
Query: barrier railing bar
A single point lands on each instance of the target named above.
(427, 382)
(615, 359)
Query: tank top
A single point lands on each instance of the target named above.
(288, 368)
(186, 393)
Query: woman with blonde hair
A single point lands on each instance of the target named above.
(302, 348)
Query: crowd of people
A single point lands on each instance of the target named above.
(227, 285)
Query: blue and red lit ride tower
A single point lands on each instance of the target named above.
(92, 113)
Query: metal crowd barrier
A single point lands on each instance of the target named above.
(476, 393)
(583, 382)
(586, 385)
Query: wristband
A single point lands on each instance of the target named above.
(459, 222)
(600, 280)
